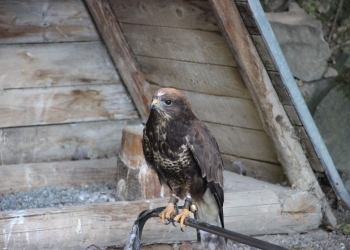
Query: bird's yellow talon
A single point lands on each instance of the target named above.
(182, 216)
(167, 212)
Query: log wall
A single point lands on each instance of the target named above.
(61, 97)
(179, 44)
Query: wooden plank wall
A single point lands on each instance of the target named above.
(61, 97)
(178, 44)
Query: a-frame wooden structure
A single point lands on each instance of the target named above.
(223, 55)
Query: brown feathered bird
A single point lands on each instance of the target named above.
(185, 156)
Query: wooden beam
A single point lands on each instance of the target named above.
(309, 148)
(39, 106)
(55, 64)
(275, 120)
(118, 48)
(199, 46)
(264, 171)
(167, 13)
(23, 177)
(223, 110)
(241, 142)
(201, 78)
(62, 142)
(45, 21)
(108, 224)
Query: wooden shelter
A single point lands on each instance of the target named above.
(68, 90)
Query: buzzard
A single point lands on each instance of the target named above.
(185, 156)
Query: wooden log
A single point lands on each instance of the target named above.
(59, 64)
(65, 142)
(178, 44)
(201, 78)
(169, 13)
(121, 55)
(223, 110)
(276, 123)
(45, 21)
(23, 177)
(23, 107)
(247, 17)
(106, 224)
(135, 180)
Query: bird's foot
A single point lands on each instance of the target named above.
(166, 213)
(170, 221)
(182, 216)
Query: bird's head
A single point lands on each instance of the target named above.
(171, 104)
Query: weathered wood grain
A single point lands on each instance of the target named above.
(247, 17)
(280, 89)
(59, 64)
(309, 148)
(179, 44)
(106, 224)
(168, 13)
(223, 110)
(45, 21)
(241, 142)
(23, 177)
(263, 53)
(23, 107)
(121, 55)
(202, 78)
(64, 142)
(259, 170)
(276, 123)
(293, 115)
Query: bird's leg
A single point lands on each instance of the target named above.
(165, 214)
(185, 212)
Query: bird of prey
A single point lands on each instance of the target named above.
(185, 156)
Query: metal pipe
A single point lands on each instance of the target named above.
(298, 101)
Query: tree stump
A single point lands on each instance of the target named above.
(135, 180)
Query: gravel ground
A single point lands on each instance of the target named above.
(319, 239)
(58, 197)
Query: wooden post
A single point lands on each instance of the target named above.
(118, 48)
(275, 120)
(135, 180)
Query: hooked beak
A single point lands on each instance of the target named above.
(155, 104)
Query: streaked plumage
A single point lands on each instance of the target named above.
(185, 156)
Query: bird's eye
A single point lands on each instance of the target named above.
(167, 102)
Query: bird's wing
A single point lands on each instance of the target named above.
(147, 149)
(207, 155)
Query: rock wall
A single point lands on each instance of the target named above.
(300, 37)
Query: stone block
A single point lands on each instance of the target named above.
(300, 37)
(135, 180)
